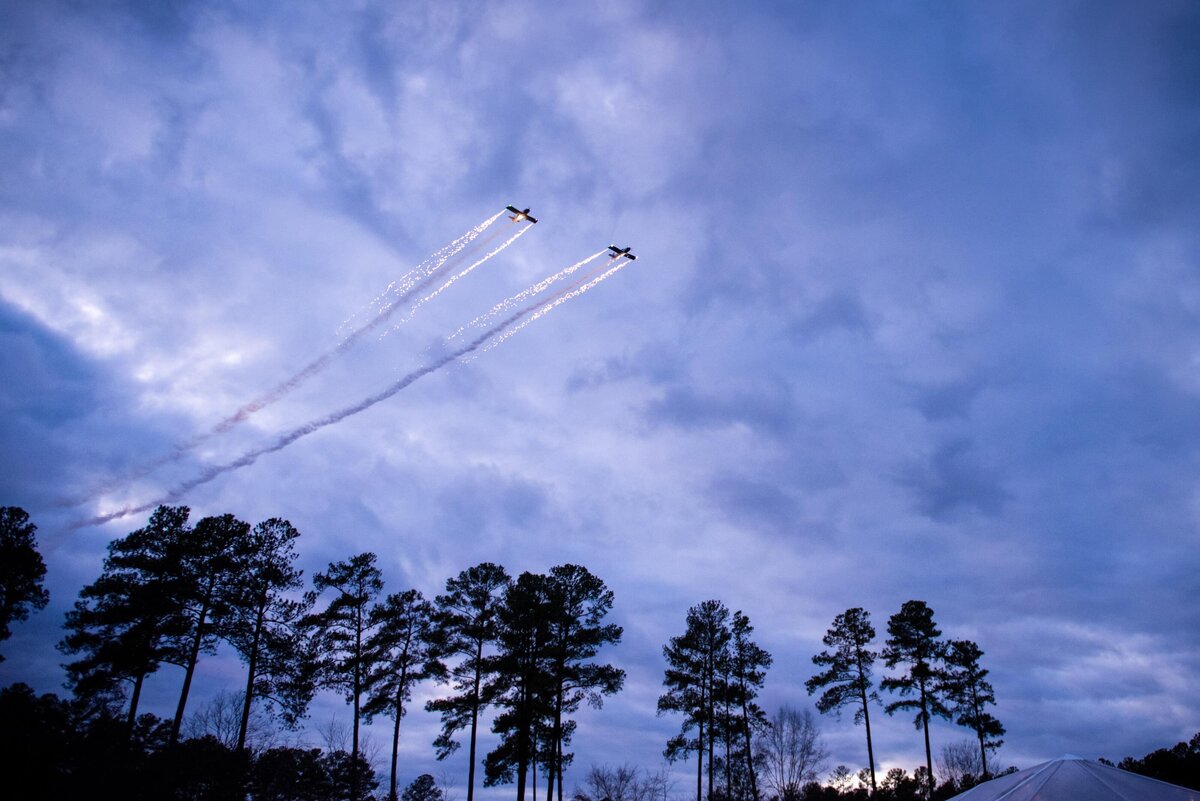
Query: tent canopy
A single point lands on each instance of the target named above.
(1074, 779)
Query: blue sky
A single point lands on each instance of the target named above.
(915, 315)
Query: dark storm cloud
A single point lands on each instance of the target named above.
(57, 402)
(951, 480)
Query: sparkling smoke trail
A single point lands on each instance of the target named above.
(508, 303)
(562, 296)
(413, 309)
(403, 289)
(323, 361)
(403, 285)
(537, 309)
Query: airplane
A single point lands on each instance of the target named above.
(518, 215)
(619, 252)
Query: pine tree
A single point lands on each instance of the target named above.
(342, 632)
(748, 664)
(123, 623)
(21, 569)
(913, 642)
(521, 686)
(466, 615)
(847, 675)
(265, 625)
(693, 689)
(405, 650)
(965, 685)
(203, 575)
(577, 604)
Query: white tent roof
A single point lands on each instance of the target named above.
(1074, 779)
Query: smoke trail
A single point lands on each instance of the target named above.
(321, 362)
(282, 442)
(403, 289)
(413, 309)
(508, 303)
(562, 296)
(405, 284)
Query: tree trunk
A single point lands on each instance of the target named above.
(358, 629)
(133, 705)
(928, 752)
(252, 671)
(556, 745)
(712, 750)
(728, 748)
(867, 720)
(749, 753)
(700, 756)
(474, 721)
(396, 734)
(190, 669)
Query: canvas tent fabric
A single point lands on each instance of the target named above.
(1073, 779)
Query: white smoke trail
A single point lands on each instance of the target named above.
(403, 285)
(402, 290)
(524, 294)
(413, 309)
(321, 362)
(282, 442)
(576, 289)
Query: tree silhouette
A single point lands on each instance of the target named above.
(405, 650)
(847, 675)
(747, 667)
(577, 604)
(264, 625)
(521, 685)
(123, 623)
(423, 788)
(966, 687)
(466, 614)
(201, 569)
(21, 569)
(913, 642)
(342, 631)
(692, 686)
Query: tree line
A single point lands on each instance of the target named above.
(523, 650)
(936, 677)
(171, 592)
(715, 671)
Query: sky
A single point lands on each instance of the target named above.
(915, 315)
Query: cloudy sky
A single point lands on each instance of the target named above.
(916, 314)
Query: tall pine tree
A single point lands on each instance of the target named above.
(204, 574)
(966, 686)
(846, 679)
(265, 624)
(466, 614)
(521, 685)
(748, 664)
(406, 650)
(342, 630)
(693, 687)
(913, 643)
(121, 626)
(578, 602)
